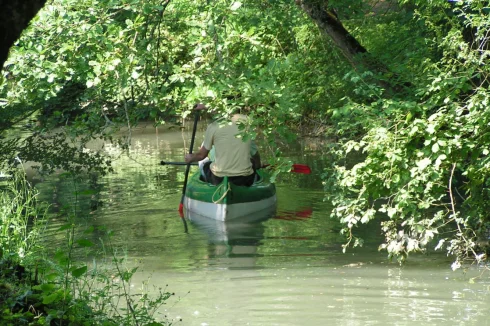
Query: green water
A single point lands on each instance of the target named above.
(286, 270)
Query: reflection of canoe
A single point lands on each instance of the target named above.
(233, 244)
(238, 231)
(227, 201)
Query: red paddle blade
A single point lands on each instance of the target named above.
(181, 210)
(301, 168)
(296, 168)
(295, 215)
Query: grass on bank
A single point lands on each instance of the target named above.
(40, 290)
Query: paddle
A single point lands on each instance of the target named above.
(296, 168)
(181, 205)
(295, 215)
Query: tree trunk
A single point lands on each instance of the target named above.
(15, 16)
(329, 23)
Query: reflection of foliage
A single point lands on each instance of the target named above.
(8, 148)
(56, 152)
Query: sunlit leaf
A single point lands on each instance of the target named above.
(235, 5)
(435, 148)
(422, 164)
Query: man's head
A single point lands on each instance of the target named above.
(199, 106)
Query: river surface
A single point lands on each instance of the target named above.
(286, 270)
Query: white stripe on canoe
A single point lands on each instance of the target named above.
(223, 212)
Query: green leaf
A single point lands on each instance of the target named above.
(51, 277)
(65, 227)
(210, 93)
(235, 5)
(89, 230)
(435, 148)
(422, 164)
(439, 160)
(86, 192)
(51, 298)
(45, 287)
(85, 243)
(431, 128)
(79, 271)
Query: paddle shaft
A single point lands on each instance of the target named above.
(196, 119)
(296, 168)
(177, 163)
(181, 206)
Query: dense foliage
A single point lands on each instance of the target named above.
(408, 110)
(424, 167)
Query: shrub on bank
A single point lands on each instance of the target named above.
(37, 290)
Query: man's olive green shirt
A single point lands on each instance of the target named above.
(232, 153)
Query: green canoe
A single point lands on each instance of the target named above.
(227, 201)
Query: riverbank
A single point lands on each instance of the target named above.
(36, 289)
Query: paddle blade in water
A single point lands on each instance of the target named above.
(181, 210)
(295, 215)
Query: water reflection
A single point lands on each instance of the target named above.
(285, 269)
(233, 244)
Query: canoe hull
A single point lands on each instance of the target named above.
(227, 202)
(227, 212)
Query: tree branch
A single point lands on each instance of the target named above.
(328, 22)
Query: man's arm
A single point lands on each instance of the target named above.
(256, 164)
(194, 157)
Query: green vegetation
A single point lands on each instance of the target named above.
(424, 167)
(37, 290)
(401, 87)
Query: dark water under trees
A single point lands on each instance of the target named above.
(287, 270)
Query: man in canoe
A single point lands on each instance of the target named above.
(234, 158)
